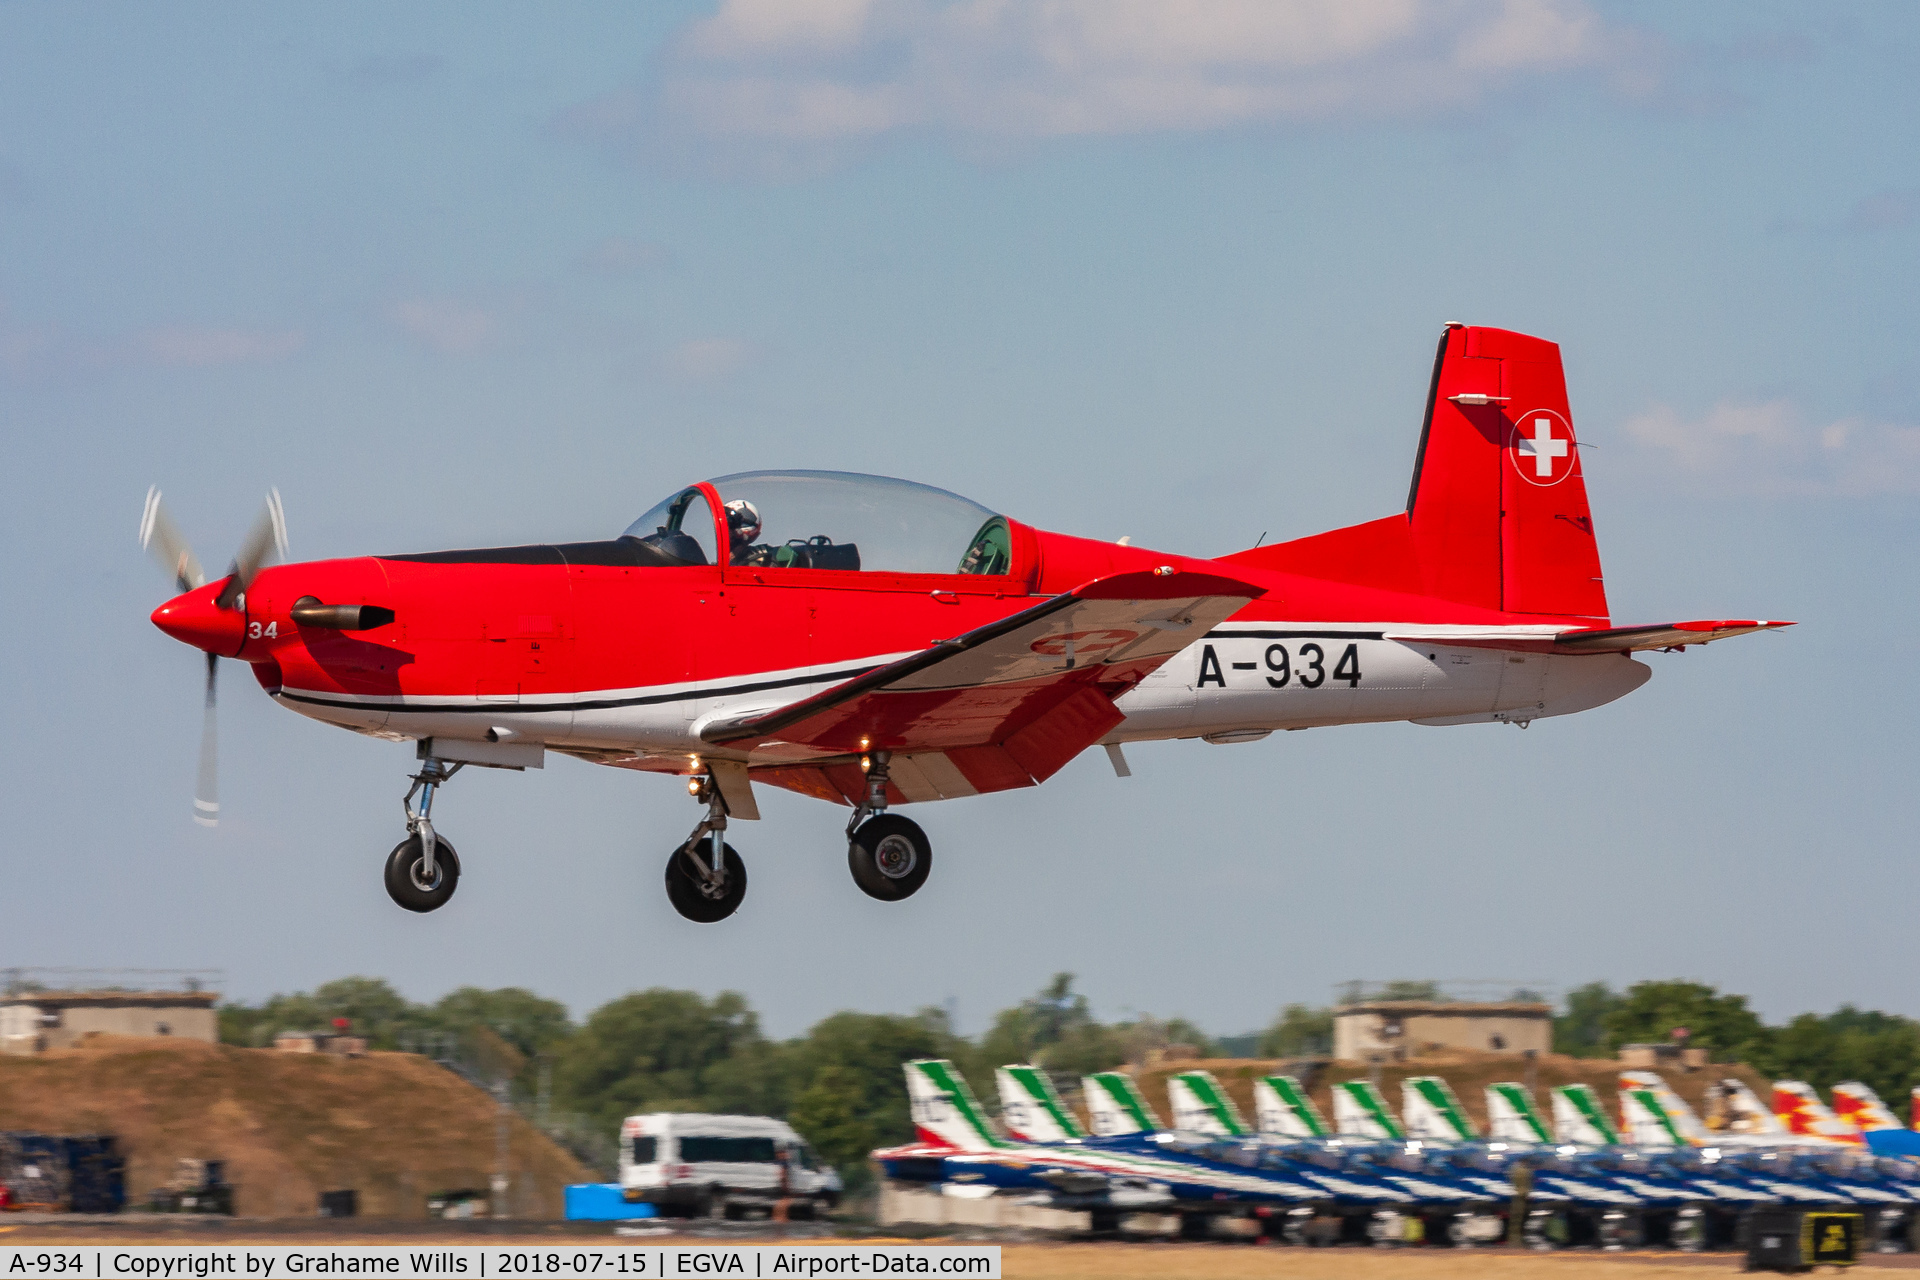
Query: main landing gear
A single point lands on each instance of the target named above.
(889, 856)
(423, 870)
(706, 880)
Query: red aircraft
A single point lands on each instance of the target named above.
(875, 642)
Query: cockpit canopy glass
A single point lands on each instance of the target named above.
(841, 520)
(679, 529)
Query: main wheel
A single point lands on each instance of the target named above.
(407, 882)
(889, 857)
(690, 894)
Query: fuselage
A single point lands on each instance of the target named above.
(590, 649)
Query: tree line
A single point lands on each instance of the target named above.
(840, 1082)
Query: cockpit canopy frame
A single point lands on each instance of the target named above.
(873, 532)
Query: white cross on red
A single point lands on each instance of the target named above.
(1544, 446)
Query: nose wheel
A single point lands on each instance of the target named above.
(423, 870)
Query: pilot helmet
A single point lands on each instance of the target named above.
(743, 521)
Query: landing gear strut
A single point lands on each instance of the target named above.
(890, 856)
(423, 870)
(706, 879)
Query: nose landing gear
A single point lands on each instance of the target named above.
(706, 880)
(890, 856)
(423, 870)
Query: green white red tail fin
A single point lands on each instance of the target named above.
(1115, 1106)
(1199, 1104)
(1359, 1111)
(1430, 1111)
(1511, 1116)
(945, 1112)
(1031, 1108)
(1861, 1107)
(1282, 1109)
(1579, 1117)
(1746, 1114)
(1653, 1115)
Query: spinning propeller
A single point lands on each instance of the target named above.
(265, 542)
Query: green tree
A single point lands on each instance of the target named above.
(371, 1006)
(832, 1114)
(1581, 1031)
(1651, 1011)
(1879, 1049)
(1300, 1031)
(1023, 1033)
(658, 1050)
(847, 1071)
(528, 1022)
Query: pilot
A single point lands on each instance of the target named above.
(743, 526)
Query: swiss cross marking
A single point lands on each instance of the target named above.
(1541, 439)
(1543, 447)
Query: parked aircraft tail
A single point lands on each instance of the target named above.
(1857, 1104)
(1579, 1117)
(1653, 1115)
(1031, 1108)
(1200, 1104)
(1282, 1109)
(945, 1112)
(1511, 1116)
(1497, 514)
(1800, 1111)
(1430, 1111)
(1360, 1111)
(1115, 1106)
(1746, 1114)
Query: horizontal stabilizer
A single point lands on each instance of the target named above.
(1532, 638)
(1665, 635)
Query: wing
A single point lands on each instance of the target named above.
(1547, 639)
(1004, 705)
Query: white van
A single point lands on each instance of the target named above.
(721, 1166)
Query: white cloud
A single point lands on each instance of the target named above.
(1774, 447)
(452, 328)
(835, 71)
(706, 358)
(202, 347)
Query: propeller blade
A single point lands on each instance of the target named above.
(162, 539)
(206, 791)
(265, 542)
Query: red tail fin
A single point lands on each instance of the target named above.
(1497, 515)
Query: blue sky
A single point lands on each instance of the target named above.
(470, 274)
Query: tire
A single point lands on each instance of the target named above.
(404, 886)
(890, 857)
(687, 892)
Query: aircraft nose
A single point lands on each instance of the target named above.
(194, 619)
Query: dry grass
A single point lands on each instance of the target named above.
(392, 1126)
